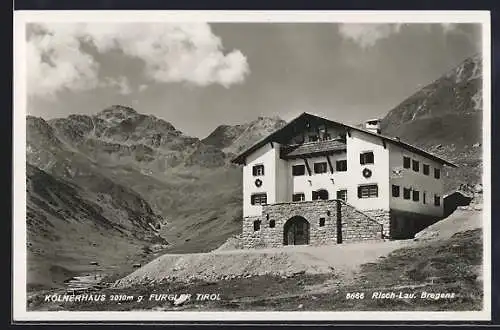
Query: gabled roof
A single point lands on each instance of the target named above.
(275, 137)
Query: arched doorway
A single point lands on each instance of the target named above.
(296, 231)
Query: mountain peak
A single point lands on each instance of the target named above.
(232, 139)
(468, 69)
(117, 112)
(119, 108)
(459, 91)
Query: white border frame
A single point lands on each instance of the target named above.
(20, 312)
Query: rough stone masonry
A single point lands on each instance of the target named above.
(323, 218)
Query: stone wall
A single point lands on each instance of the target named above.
(356, 225)
(363, 225)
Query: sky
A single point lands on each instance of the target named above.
(198, 76)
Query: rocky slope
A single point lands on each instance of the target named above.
(445, 117)
(68, 228)
(71, 205)
(234, 139)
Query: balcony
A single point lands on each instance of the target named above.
(312, 149)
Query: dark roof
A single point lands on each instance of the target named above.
(240, 159)
(313, 148)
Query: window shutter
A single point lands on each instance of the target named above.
(359, 192)
(254, 171)
(361, 159)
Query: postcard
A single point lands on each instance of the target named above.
(216, 165)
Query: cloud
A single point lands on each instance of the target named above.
(143, 87)
(367, 35)
(121, 83)
(171, 53)
(55, 62)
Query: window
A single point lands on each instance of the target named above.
(366, 158)
(320, 194)
(426, 169)
(437, 173)
(424, 195)
(298, 197)
(395, 190)
(406, 162)
(321, 222)
(368, 191)
(258, 170)
(406, 193)
(320, 167)
(259, 199)
(415, 165)
(437, 200)
(416, 195)
(256, 225)
(341, 165)
(298, 170)
(342, 195)
(272, 223)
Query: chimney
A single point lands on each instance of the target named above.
(373, 125)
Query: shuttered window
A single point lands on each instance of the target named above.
(342, 195)
(320, 167)
(415, 165)
(426, 169)
(258, 170)
(416, 195)
(258, 199)
(366, 158)
(406, 193)
(298, 170)
(406, 162)
(341, 165)
(395, 190)
(368, 191)
(298, 197)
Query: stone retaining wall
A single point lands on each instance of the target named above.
(356, 225)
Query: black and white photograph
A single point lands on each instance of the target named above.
(251, 165)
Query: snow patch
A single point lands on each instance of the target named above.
(420, 108)
(478, 100)
(459, 74)
(476, 72)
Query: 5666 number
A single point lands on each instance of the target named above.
(355, 295)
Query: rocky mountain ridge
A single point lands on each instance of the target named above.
(445, 117)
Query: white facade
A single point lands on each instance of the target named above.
(427, 186)
(357, 143)
(279, 184)
(268, 157)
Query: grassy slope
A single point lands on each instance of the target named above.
(199, 217)
(67, 228)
